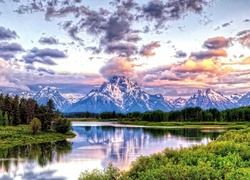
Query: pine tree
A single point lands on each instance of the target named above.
(22, 111)
(7, 106)
(30, 110)
(16, 112)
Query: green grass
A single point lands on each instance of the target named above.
(11, 136)
(234, 125)
(228, 157)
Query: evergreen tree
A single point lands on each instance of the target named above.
(16, 112)
(30, 110)
(2, 120)
(22, 111)
(7, 106)
(1, 102)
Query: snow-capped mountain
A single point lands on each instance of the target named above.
(179, 103)
(209, 98)
(234, 98)
(43, 96)
(244, 100)
(120, 95)
(26, 95)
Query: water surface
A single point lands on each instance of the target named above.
(96, 144)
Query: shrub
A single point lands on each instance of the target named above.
(35, 125)
(62, 125)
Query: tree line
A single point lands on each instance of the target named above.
(190, 114)
(15, 111)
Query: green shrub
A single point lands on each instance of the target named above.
(35, 125)
(62, 125)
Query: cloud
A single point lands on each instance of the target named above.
(133, 38)
(126, 49)
(49, 71)
(227, 24)
(180, 54)
(209, 54)
(149, 77)
(243, 32)
(147, 50)
(7, 34)
(245, 40)
(43, 56)
(9, 50)
(206, 65)
(48, 40)
(217, 43)
(120, 66)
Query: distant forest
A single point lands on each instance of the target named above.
(190, 114)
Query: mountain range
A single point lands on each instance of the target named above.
(120, 94)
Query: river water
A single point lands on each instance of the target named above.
(95, 146)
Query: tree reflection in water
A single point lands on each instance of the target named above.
(43, 154)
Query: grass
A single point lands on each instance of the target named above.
(11, 136)
(234, 125)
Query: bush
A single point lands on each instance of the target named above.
(62, 125)
(35, 125)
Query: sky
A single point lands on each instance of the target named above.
(172, 47)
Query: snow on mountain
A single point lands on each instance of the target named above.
(26, 95)
(43, 96)
(120, 95)
(179, 103)
(244, 100)
(209, 98)
(234, 98)
(72, 98)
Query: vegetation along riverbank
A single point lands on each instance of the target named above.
(228, 157)
(24, 122)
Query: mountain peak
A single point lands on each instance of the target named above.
(209, 98)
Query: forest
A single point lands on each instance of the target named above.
(190, 114)
(16, 111)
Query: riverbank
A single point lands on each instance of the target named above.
(233, 125)
(11, 136)
(225, 158)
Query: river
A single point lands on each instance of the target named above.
(96, 145)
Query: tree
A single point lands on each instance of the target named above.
(2, 120)
(62, 125)
(8, 107)
(35, 125)
(30, 110)
(22, 111)
(16, 113)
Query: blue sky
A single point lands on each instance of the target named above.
(173, 47)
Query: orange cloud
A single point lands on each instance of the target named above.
(206, 65)
(120, 66)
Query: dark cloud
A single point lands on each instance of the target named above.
(180, 54)
(126, 49)
(7, 34)
(9, 50)
(49, 71)
(43, 56)
(147, 50)
(48, 40)
(227, 24)
(245, 40)
(160, 12)
(217, 43)
(246, 20)
(209, 54)
(243, 32)
(133, 38)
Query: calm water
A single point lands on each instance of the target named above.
(95, 145)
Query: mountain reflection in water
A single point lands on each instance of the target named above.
(95, 146)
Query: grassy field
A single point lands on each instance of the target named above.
(234, 125)
(11, 136)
